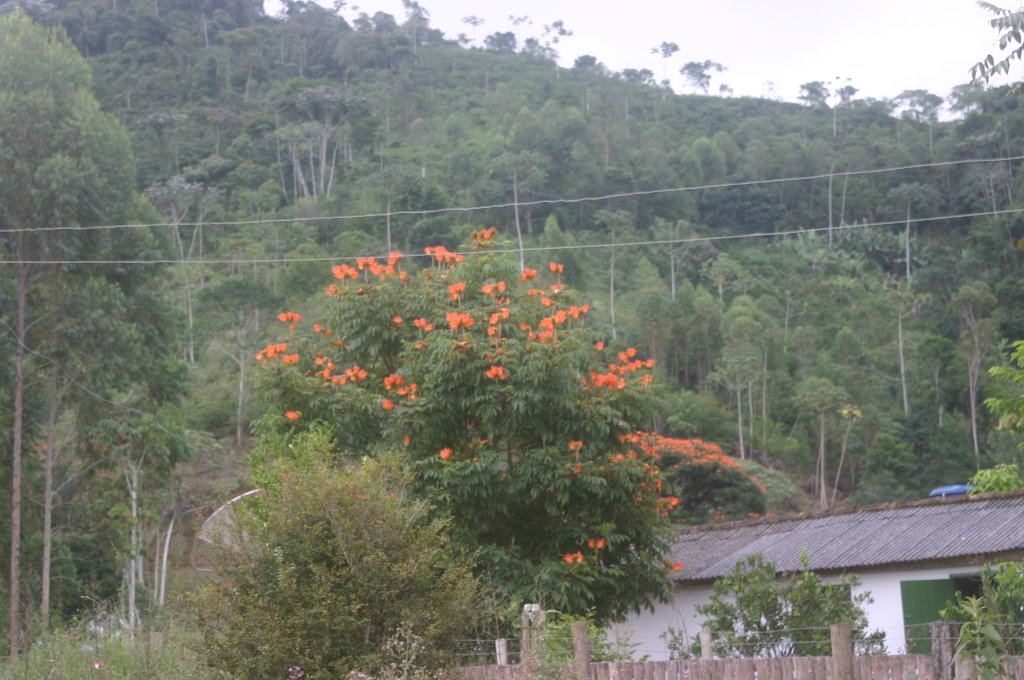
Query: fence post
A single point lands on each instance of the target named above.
(842, 651)
(533, 617)
(706, 651)
(944, 636)
(501, 651)
(581, 649)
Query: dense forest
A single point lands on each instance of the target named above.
(822, 285)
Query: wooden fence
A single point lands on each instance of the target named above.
(842, 665)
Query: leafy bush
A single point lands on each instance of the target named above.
(328, 565)
(751, 613)
(1000, 478)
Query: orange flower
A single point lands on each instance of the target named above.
(456, 290)
(528, 274)
(496, 373)
(556, 267)
(484, 236)
(677, 566)
(599, 346)
(423, 325)
(394, 258)
(290, 358)
(445, 453)
(396, 319)
(573, 558)
(576, 445)
(458, 320)
(343, 271)
(387, 404)
(292, 415)
(493, 289)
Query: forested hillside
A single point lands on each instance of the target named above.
(823, 285)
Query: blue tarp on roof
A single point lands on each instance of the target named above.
(951, 490)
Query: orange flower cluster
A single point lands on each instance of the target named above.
(693, 450)
(355, 374)
(496, 373)
(343, 271)
(289, 358)
(387, 404)
(608, 380)
(556, 267)
(317, 328)
(290, 318)
(528, 274)
(443, 255)
(614, 379)
(493, 289)
(456, 290)
(457, 320)
(292, 415)
(445, 453)
(576, 445)
(484, 236)
(596, 544)
(499, 316)
(271, 351)
(378, 269)
(423, 325)
(573, 558)
(328, 368)
(397, 383)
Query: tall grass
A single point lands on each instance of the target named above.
(85, 651)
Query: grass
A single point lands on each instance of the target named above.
(81, 652)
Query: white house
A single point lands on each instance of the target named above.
(911, 557)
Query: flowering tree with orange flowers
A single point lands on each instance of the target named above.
(713, 485)
(512, 418)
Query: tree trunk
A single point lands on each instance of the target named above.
(739, 420)
(56, 395)
(163, 567)
(19, 389)
(822, 484)
(903, 362)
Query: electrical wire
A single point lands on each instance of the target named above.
(523, 204)
(536, 249)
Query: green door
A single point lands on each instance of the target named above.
(922, 601)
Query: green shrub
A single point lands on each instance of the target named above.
(329, 566)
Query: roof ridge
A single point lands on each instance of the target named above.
(852, 510)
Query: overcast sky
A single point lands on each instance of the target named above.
(769, 47)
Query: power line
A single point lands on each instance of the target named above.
(536, 249)
(538, 202)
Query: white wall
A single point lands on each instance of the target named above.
(645, 629)
(884, 612)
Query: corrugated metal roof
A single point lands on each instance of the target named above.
(866, 537)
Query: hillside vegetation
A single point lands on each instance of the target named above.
(822, 286)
